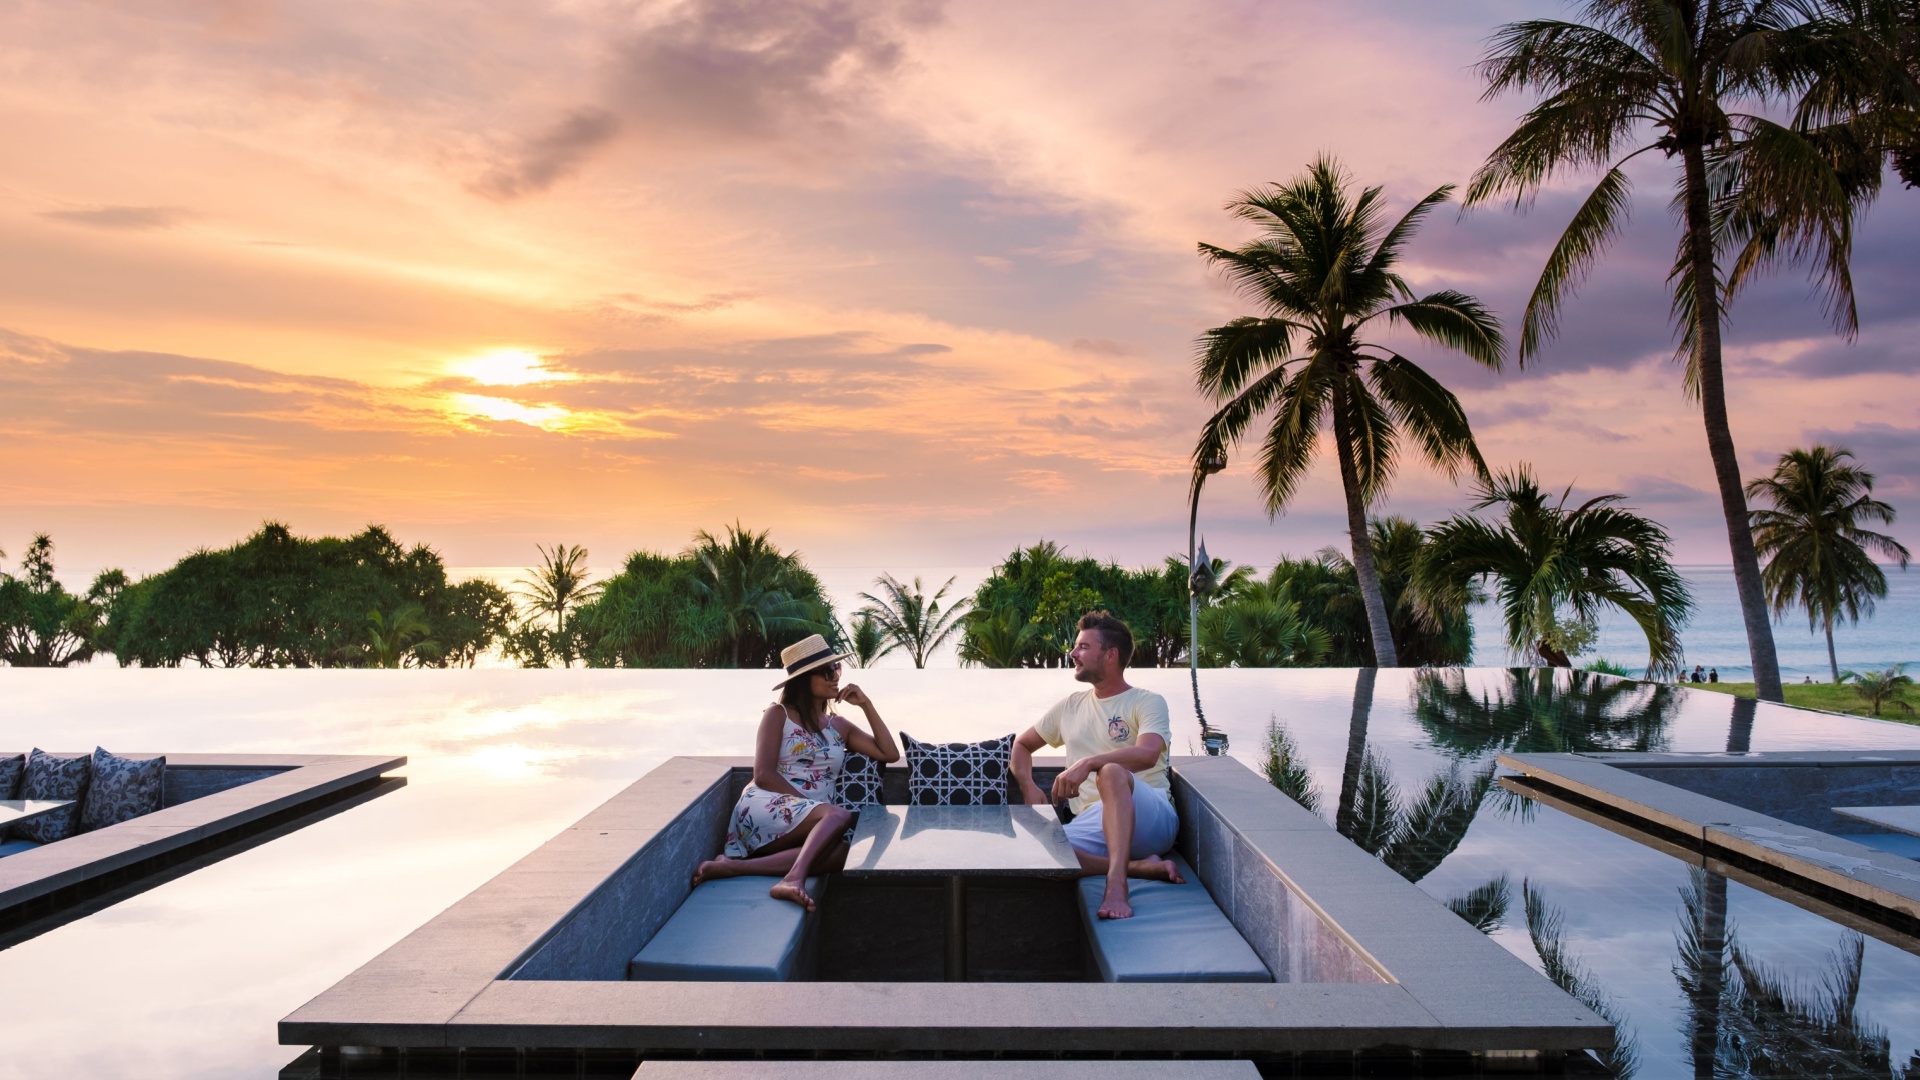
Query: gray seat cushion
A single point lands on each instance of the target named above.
(728, 931)
(1177, 934)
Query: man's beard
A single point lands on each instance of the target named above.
(1083, 674)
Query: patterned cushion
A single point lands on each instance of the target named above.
(10, 771)
(50, 777)
(957, 774)
(122, 788)
(859, 783)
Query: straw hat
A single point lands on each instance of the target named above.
(804, 655)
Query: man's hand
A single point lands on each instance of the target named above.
(1067, 784)
(1031, 793)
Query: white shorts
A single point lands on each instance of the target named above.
(1155, 825)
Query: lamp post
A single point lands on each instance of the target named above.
(1200, 582)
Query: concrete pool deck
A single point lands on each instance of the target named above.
(535, 958)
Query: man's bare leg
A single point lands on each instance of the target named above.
(1116, 809)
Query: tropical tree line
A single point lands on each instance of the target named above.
(1777, 118)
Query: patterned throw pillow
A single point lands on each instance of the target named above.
(50, 777)
(957, 774)
(10, 770)
(859, 783)
(122, 789)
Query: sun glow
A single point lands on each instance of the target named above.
(508, 367)
(549, 417)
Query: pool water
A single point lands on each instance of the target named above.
(189, 978)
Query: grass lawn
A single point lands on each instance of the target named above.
(1826, 696)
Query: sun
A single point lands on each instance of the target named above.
(508, 367)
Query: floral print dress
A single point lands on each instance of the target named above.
(811, 762)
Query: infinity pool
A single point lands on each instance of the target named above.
(189, 979)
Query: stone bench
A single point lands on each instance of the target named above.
(729, 930)
(1177, 934)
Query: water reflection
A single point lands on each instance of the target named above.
(1543, 710)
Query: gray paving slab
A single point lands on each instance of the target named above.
(1876, 876)
(947, 1070)
(1900, 819)
(954, 1017)
(50, 867)
(1669, 807)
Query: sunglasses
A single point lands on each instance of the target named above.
(828, 671)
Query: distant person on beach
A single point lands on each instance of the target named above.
(1698, 675)
(1713, 674)
(785, 823)
(1121, 820)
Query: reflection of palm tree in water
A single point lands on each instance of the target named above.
(1747, 1019)
(1543, 710)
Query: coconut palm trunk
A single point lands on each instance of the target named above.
(1384, 652)
(1713, 407)
(1343, 814)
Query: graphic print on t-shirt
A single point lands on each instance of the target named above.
(1117, 729)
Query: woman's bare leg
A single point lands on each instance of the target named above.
(773, 859)
(827, 825)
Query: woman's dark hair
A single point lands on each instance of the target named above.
(797, 696)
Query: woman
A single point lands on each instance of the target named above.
(786, 822)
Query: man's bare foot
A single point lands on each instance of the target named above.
(1114, 904)
(792, 890)
(713, 869)
(1156, 868)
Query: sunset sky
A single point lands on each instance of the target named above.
(907, 284)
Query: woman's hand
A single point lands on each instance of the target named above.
(853, 695)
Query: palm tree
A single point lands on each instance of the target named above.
(1812, 539)
(558, 584)
(555, 587)
(1323, 271)
(1877, 688)
(999, 638)
(1668, 76)
(763, 596)
(391, 640)
(1260, 625)
(910, 619)
(1553, 568)
(868, 642)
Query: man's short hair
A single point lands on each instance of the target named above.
(1113, 633)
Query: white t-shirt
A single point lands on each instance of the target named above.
(1090, 725)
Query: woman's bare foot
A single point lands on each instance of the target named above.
(1114, 904)
(1156, 868)
(792, 890)
(713, 870)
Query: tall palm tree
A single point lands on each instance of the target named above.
(558, 584)
(1672, 76)
(910, 619)
(763, 596)
(554, 588)
(1553, 567)
(1323, 273)
(1816, 550)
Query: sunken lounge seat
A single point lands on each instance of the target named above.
(728, 930)
(1177, 934)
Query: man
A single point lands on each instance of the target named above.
(1115, 783)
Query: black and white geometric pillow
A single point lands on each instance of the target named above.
(958, 774)
(859, 783)
(122, 789)
(51, 777)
